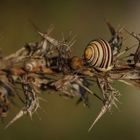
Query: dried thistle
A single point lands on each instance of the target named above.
(48, 65)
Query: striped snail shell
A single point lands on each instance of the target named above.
(98, 54)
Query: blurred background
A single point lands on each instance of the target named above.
(62, 119)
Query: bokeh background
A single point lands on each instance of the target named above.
(62, 119)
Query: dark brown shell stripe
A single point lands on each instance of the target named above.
(110, 54)
(94, 62)
(104, 56)
(107, 54)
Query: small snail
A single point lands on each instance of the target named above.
(98, 54)
(35, 65)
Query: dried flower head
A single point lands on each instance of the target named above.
(48, 65)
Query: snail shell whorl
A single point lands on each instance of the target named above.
(98, 54)
(30, 66)
(35, 65)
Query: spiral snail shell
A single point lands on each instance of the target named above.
(98, 54)
(35, 65)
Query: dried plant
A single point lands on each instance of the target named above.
(48, 65)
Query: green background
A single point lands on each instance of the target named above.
(62, 119)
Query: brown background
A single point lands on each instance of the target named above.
(63, 120)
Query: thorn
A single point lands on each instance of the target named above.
(88, 90)
(42, 99)
(116, 99)
(63, 37)
(19, 115)
(40, 33)
(38, 116)
(115, 105)
(50, 29)
(102, 112)
(30, 115)
(36, 28)
(111, 28)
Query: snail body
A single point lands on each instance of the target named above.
(76, 63)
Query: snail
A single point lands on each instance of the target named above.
(35, 65)
(98, 54)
